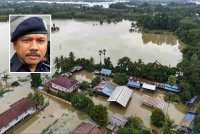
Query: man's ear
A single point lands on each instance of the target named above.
(14, 45)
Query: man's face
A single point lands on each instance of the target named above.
(31, 48)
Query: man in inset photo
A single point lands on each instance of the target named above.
(30, 43)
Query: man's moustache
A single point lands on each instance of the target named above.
(33, 54)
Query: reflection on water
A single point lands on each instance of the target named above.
(86, 38)
(83, 76)
(159, 39)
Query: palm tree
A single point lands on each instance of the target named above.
(169, 127)
(37, 98)
(30, 96)
(72, 57)
(56, 62)
(5, 78)
(92, 60)
(170, 97)
(104, 52)
(100, 52)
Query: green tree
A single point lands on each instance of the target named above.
(15, 84)
(169, 127)
(104, 53)
(170, 97)
(71, 57)
(35, 80)
(157, 118)
(185, 95)
(198, 108)
(99, 114)
(37, 98)
(197, 124)
(81, 102)
(84, 85)
(172, 80)
(57, 63)
(135, 122)
(100, 52)
(120, 78)
(5, 78)
(96, 81)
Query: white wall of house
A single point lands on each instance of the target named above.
(64, 89)
(19, 118)
(59, 87)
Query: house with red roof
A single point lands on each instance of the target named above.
(86, 128)
(17, 112)
(62, 84)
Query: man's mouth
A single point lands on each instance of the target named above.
(33, 56)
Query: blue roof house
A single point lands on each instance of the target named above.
(134, 84)
(106, 72)
(171, 88)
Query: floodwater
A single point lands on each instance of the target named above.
(58, 117)
(86, 38)
(135, 106)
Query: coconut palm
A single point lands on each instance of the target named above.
(30, 96)
(5, 78)
(100, 52)
(37, 98)
(57, 63)
(170, 97)
(169, 127)
(104, 52)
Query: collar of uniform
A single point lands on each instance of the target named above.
(16, 63)
(18, 66)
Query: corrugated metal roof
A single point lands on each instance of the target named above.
(121, 95)
(106, 71)
(134, 84)
(171, 88)
(107, 91)
(149, 86)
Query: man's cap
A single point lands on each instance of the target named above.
(32, 25)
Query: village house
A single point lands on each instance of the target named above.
(87, 127)
(115, 122)
(62, 84)
(17, 112)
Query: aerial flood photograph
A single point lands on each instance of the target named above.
(100, 67)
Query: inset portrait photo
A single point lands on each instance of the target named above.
(30, 43)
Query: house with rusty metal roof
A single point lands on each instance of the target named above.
(86, 128)
(116, 121)
(17, 112)
(62, 84)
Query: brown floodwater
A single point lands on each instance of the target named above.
(85, 38)
(58, 116)
(135, 106)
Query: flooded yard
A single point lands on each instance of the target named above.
(58, 117)
(135, 106)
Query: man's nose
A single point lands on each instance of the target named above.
(33, 46)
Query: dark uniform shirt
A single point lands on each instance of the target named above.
(17, 66)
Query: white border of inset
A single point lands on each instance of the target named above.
(10, 43)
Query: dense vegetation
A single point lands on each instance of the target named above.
(134, 125)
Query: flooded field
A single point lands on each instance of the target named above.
(85, 38)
